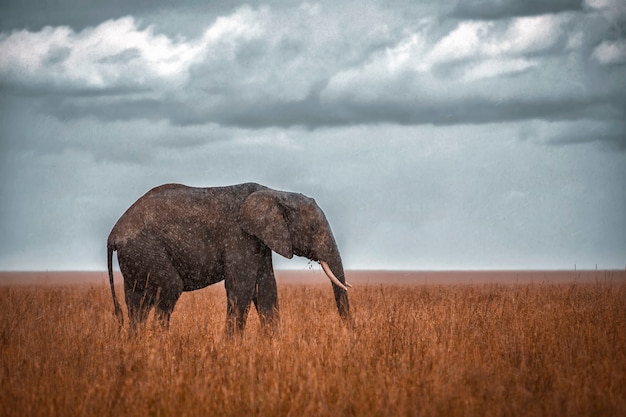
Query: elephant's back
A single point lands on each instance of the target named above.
(184, 194)
(158, 206)
(168, 208)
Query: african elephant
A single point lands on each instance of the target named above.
(177, 238)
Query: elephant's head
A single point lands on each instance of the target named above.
(293, 224)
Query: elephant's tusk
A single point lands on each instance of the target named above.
(332, 277)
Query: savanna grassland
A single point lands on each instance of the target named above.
(422, 350)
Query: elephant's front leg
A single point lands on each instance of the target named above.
(266, 297)
(240, 284)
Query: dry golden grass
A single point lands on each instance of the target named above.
(482, 350)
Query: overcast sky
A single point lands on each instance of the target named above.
(434, 134)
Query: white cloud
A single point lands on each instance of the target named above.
(478, 49)
(490, 68)
(463, 42)
(244, 24)
(406, 54)
(117, 53)
(529, 34)
(610, 52)
(612, 9)
(472, 39)
(444, 69)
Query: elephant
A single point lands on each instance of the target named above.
(178, 238)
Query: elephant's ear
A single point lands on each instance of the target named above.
(263, 216)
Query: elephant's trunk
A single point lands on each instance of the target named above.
(334, 270)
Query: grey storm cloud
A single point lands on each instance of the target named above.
(498, 9)
(35, 14)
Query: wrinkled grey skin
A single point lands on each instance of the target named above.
(177, 238)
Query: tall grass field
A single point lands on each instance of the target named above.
(526, 349)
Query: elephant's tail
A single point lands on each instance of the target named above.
(118, 309)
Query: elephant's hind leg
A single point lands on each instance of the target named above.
(167, 296)
(139, 300)
(150, 280)
(162, 294)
